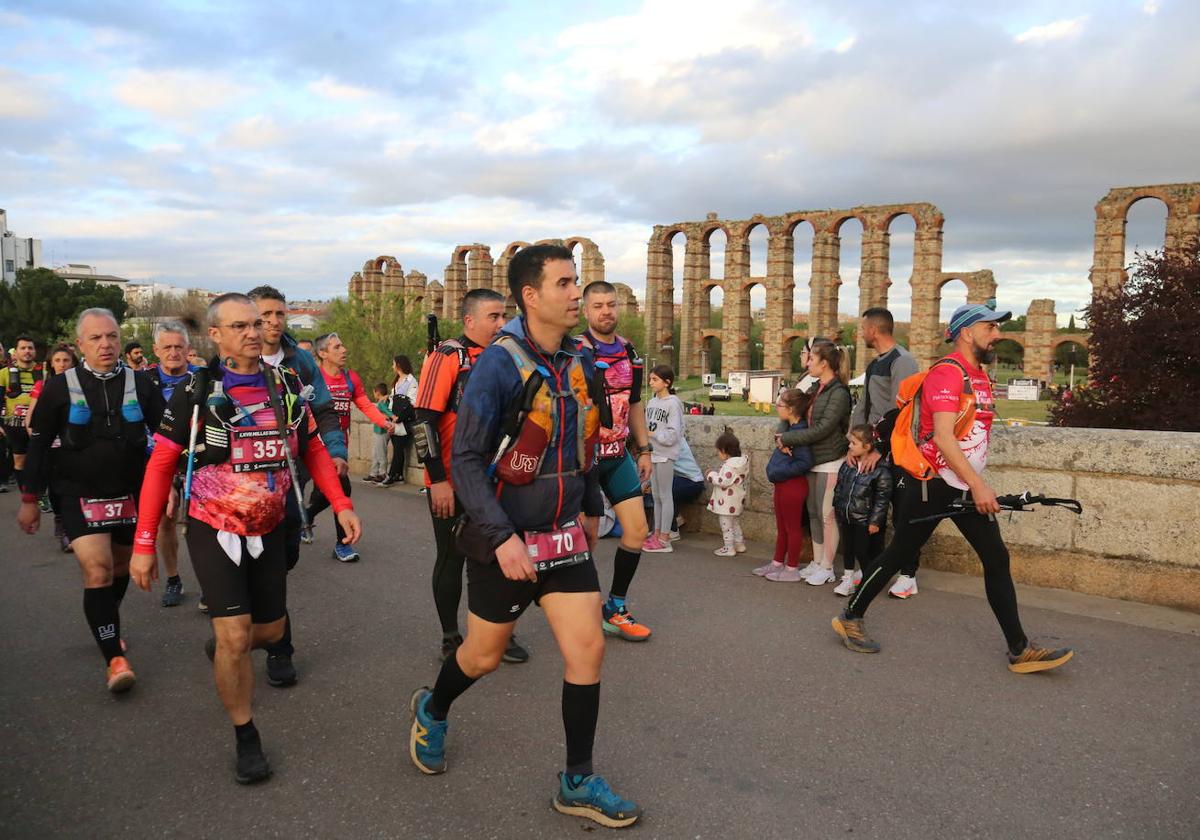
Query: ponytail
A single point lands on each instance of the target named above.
(836, 357)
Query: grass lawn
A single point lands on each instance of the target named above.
(1023, 410)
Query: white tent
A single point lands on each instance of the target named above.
(861, 379)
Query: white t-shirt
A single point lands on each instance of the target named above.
(275, 358)
(406, 386)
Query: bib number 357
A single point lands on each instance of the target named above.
(255, 450)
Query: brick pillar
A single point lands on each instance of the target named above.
(660, 298)
(592, 264)
(873, 283)
(735, 323)
(827, 249)
(479, 268)
(1108, 256)
(695, 269)
(981, 286)
(924, 336)
(1179, 228)
(455, 286)
(1041, 324)
(780, 316)
(356, 285)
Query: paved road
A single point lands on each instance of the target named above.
(743, 716)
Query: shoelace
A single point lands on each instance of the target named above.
(599, 791)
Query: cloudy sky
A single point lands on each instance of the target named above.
(225, 144)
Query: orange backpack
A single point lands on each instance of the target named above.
(905, 439)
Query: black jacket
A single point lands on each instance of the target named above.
(863, 498)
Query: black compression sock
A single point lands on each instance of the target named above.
(625, 565)
(245, 732)
(100, 608)
(580, 710)
(20, 476)
(119, 585)
(450, 685)
(174, 579)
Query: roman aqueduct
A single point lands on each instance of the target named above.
(472, 266)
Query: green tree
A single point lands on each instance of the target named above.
(375, 330)
(1014, 325)
(43, 305)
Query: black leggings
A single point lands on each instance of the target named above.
(981, 532)
(859, 546)
(447, 567)
(317, 503)
(399, 450)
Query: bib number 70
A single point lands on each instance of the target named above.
(564, 542)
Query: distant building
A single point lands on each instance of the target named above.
(16, 251)
(303, 320)
(140, 294)
(75, 272)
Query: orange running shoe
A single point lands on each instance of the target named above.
(120, 675)
(621, 623)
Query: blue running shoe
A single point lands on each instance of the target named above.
(427, 741)
(345, 553)
(595, 800)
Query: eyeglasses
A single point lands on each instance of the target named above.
(242, 326)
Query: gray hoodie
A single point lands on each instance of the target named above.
(664, 421)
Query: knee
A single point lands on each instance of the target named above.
(633, 536)
(234, 641)
(269, 634)
(477, 663)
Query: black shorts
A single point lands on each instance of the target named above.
(495, 598)
(257, 587)
(18, 439)
(76, 526)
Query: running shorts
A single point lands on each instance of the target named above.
(18, 439)
(256, 587)
(495, 598)
(619, 478)
(75, 526)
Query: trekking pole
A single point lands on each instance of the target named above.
(197, 381)
(1013, 503)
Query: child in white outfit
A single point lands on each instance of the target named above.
(729, 493)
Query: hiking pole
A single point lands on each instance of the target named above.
(197, 383)
(1012, 503)
(282, 427)
(516, 417)
(432, 337)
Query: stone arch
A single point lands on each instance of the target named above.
(788, 341)
(1182, 227)
(1149, 215)
(660, 292)
(801, 269)
(1014, 338)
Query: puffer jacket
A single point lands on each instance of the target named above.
(829, 421)
(782, 465)
(863, 498)
(729, 486)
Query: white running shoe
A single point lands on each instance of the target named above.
(809, 569)
(785, 575)
(763, 571)
(820, 577)
(904, 587)
(846, 587)
(725, 551)
(676, 536)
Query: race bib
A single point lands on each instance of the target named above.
(565, 546)
(103, 513)
(341, 405)
(612, 449)
(21, 410)
(256, 450)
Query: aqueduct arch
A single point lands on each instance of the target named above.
(1183, 226)
(874, 281)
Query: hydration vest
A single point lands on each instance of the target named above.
(635, 361)
(85, 423)
(541, 417)
(615, 430)
(464, 368)
(220, 413)
(16, 388)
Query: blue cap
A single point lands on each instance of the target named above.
(973, 313)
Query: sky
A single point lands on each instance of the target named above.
(223, 145)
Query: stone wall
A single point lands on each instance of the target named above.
(1137, 538)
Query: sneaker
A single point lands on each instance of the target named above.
(173, 594)
(345, 553)
(514, 653)
(281, 673)
(252, 764)
(371, 479)
(904, 587)
(788, 574)
(3, 487)
(821, 577)
(809, 569)
(763, 571)
(740, 548)
(388, 481)
(306, 537)
(653, 545)
(427, 739)
(725, 551)
(64, 543)
(449, 645)
(849, 581)
(120, 676)
(854, 634)
(210, 648)
(203, 605)
(1038, 659)
(44, 504)
(675, 536)
(593, 799)
(621, 623)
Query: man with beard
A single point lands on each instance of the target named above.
(950, 388)
(17, 379)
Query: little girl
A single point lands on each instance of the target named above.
(664, 422)
(860, 502)
(787, 470)
(379, 453)
(729, 493)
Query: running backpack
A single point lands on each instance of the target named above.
(899, 429)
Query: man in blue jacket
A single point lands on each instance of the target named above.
(522, 534)
(280, 349)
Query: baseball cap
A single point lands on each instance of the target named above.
(973, 313)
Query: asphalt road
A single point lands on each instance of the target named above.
(743, 716)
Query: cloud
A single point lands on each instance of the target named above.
(177, 95)
(1056, 31)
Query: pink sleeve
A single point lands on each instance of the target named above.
(156, 487)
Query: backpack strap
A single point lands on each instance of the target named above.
(79, 414)
(131, 409)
